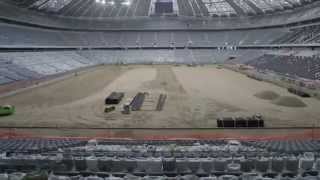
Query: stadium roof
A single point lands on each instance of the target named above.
(132, 8)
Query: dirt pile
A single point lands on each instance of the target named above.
(289, 101)
(267, 95)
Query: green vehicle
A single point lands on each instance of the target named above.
(6, 110)
(220, 66)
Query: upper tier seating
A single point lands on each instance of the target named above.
(11, 35)
(302, 35)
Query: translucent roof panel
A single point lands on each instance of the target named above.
(243, 5)
(129, 8)
(219, 7)
(261, 4)
(51, 5)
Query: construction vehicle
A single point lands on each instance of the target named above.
(7, 110)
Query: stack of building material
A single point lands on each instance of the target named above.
(137, 101)
(161, 101)
(114, 98)
(255, 121)
(149, 103)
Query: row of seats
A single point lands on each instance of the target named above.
(63, 155)
(302, 35)
(36, 65)
(187, 149)
(143, 176)
(196, 154)
(36, 145)
(21, 36)
(259, 164)
(288, 146)
(18, 66)
(161, 142)
(305, 67)
(219, 149)
(195, 165)
(10, 72)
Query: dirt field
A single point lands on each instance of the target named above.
(196, 97)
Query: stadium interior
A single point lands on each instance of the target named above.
(159, 89)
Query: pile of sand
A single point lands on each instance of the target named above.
(289, 101)
(267, 95)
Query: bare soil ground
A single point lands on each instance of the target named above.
(196, 97)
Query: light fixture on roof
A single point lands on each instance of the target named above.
(126, 2)
(101, 1)
(111, 3)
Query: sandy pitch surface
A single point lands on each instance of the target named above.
(196, 97)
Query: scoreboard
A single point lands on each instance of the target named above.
(163, 6)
